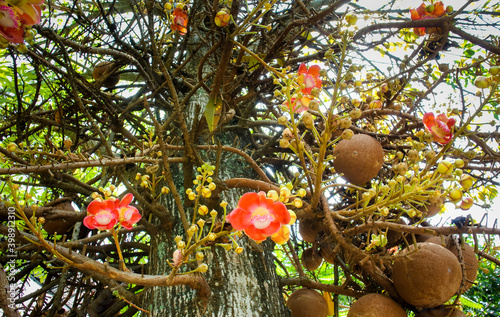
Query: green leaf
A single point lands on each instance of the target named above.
(469, 53)
(212, 113)
(470, 303)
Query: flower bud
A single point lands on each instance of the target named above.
(202, 268)
(413, 155)
(297, 202)
(284, 143)
(11, 147)
(482, 82)
(347, 134)
(466, 181)
(495, 70)
(287, 134)
(314, 105)
(345, 123)
(211, 236)
(273, 195)
(293, 217)
(455, 195)
(445, 167)
(351, 19)
(203, 210)
(238, 250)
(302, 192)
(355, 113)
(282, 120)
(459, 163)
(466, 203)
(181, 245)
(222, 18)
(308, 120)
(206, 192)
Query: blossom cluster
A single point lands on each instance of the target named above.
(430, 11)
(16, 16)
(310, 83)
(106, 214)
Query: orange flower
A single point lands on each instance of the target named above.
(309, 78)
(430, 11)
(179, 21)
(259, 216)
(440, 127)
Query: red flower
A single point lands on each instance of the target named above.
(430, 11)
(299, 104)
(440, 127)
(104, 215)
(10, 24)
(128, 215)
(259, 216)
(179, 21)
(309, 78)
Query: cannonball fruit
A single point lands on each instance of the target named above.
(311, 259)
(471, 264)
(427, 277)
(441, 311)
(59, 226)
(358, 159)
(112, 78)
(375, 305)
(309, 230)
(307, 302)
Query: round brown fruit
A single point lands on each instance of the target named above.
(59, 226)
(311, 259)
(358, 159)
(307, 302)
(427, 277)
(441, 311)
(471, 264)
(327, 251)
(309, 230)
(375, 305)
(112, 78)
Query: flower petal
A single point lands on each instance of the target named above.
(89, 222)
(239, 218)
(280, 212)
(126, 200)
(314, 70)
(302, 69)
(255, 234)
(249, 201)
(271, 229)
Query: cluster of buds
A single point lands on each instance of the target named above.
(145, 182)
(203, 182)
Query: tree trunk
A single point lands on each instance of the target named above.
(243, 284)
